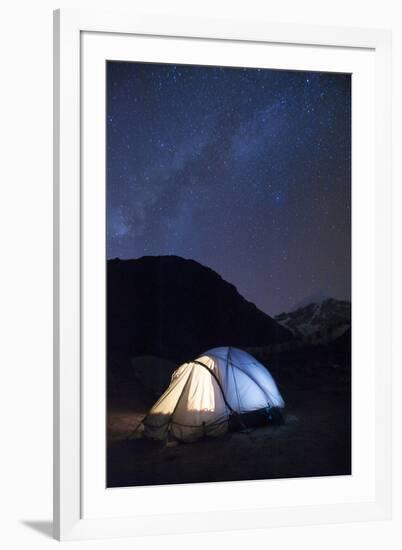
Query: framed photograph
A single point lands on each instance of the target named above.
(222, 274)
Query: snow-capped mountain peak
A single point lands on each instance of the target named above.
(317, 317)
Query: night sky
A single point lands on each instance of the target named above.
(246, 171)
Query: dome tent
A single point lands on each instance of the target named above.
(208, 395)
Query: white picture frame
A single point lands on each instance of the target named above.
(83, 507)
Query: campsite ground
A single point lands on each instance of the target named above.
(314, 441)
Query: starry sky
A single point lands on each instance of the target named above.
(247, 171)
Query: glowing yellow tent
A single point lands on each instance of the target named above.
(220, 388)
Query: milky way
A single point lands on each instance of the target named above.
(247, 171)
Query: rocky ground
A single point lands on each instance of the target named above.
(314, 441)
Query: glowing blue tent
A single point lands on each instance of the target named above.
(223, 388)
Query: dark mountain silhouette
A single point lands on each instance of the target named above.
(170, 307)
(343, 343)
